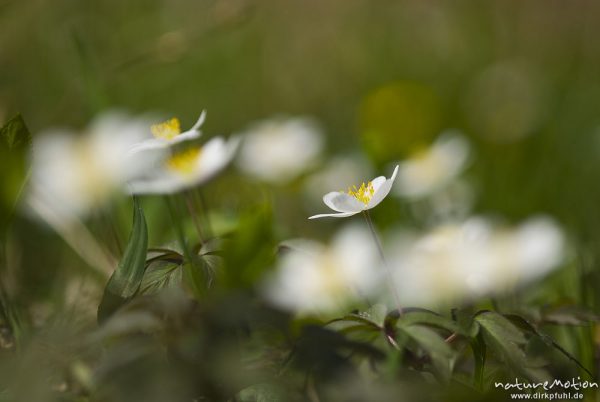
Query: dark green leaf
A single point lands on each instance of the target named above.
(526, 326)
(14, 134)
(159, 275)
(14, 143)
(569, 315)
(479, 352)
(431, 319)
(466, 321)
(262, 393)
(126, 279)
(507, 342)
(441, 354)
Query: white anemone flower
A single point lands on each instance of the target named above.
(358, 199)
(188, 168)
(432, 169)
(314, 278)
(71, 174)
(168, 133)
(279, 150)
(457, 262)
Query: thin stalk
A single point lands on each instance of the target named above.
(9, 316)
(194, 214)
(204, 206)
(189, 255)
(384, 261)
(79, 238)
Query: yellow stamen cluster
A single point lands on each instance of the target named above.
(364, 193)
(166, 130)
(184, 162)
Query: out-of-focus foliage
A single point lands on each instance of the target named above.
(14, 145)
(384, 80)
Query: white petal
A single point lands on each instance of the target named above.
(338, 215)
(185, 136)
(166, 184)
(215, 156)
(200, 122)
(382, 190)
(147, 145)
(342, 202)
(377, 182)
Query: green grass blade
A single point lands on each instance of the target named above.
(126, 280)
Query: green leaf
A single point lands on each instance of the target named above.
(14, 134)
(507, 342)
(547, 339)
(264, 392)
(126, 280)
(569, 315)
(14, 143)
(15, 140)
(432, 319)
(479, 352)
(441, 354)
(250, 251)
(466, 321)
(159, 275)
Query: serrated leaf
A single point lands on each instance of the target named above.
(361, 327)
(507, 342)
(466, 322)
(431, 319)
(547, 339)
(441, 354)
(159, 275)
(569, 315)
(126, 279)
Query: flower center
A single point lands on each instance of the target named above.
(364, 193)
(166, 130)
(184, 162)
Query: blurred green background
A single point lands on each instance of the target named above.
(520, 79)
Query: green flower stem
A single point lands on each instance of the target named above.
(194, 214)
(199, 198)
(194, 268)
(384, 261)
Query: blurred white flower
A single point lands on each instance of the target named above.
(169, 133)
(279, 150)
(358, 199)
(433, 168)
(72, 174)
(311, 277)
(462, 261)
(188, 168)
